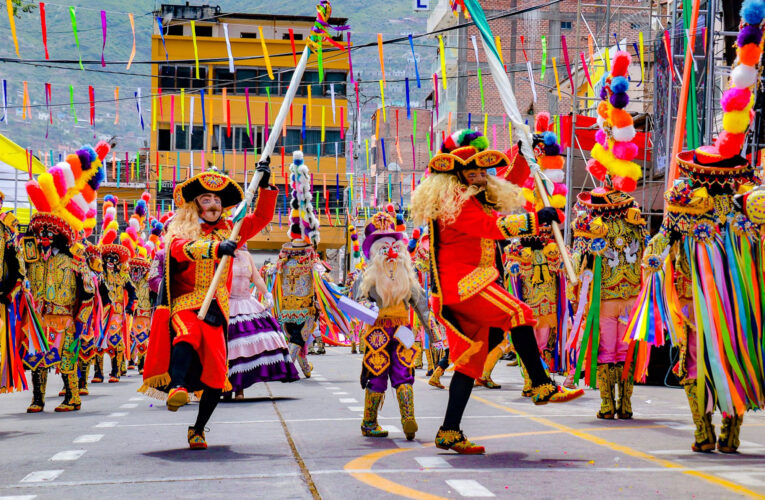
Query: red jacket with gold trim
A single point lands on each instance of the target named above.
(463, 252)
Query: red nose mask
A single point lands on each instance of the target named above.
(392, 254)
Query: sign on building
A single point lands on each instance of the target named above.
(421, 4)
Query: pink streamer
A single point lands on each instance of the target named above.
(172, 112)
(350, 63)
(586, 71)
(103, 36)
(267, 123)
(564, 46)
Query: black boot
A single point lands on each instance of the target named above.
(39, 383)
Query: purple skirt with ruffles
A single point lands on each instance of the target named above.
(257, 350)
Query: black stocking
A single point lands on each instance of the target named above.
(180, 363)
(459, 394)
(526, 347)
(207, 404)
(444, 361)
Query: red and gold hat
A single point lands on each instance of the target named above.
(466, 149)
(210, 181)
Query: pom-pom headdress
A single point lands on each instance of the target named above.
(65, 195)
(722, 162)
(304, 225)
(466, 149)
(614, 150)
(109, 242)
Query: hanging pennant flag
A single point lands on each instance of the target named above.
(265, 53)
(608, 60)
(323, 109)
(414, 58)
(320, 62)
(342, 126)
(132, 52)
(228, 114)
(332, 96)
(162, 35)
(408, 108)
(586, 70)
(310, 104)
(267, 124)
(435, 94)
(498, 43)
(5, 102)
(382, 96)
(642, 56)
(530, 71)
(196, 50)
(382, 59)
(154, 114)
(183, 110)
(231, 68)
(348, 49)
(48, 99)
(250, 132)
(302, 130)
(159, 96)
(470, 119)
(71, 103)
(92, 98)
(292, 43)
(73, 17)
(557, 80)
(442, 55)
(204, 119)
(12, 21)
(25, 103)
(485, 124)
(544, 59)
(103, 37)
(137, 95)
(568, 64)
(172, 113)
(478, 69)
(44, 29)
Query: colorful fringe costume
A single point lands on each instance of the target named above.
(12, 377)
(704, 268)
(60, 281)
(609, 237)
(387, 353)
(138, 271)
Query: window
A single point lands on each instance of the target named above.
(239, 139)
(223, 79)
(181, 77)
(312, 140)
(245, 34)
(338, 78)
(186, 139)
(203, 30)
(565, 25)
(244, 78)
(636, 26)
(175, 30)
(163, 139)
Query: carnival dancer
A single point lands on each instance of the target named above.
(117, 292)
(138, 272)
(186, 353)
(460, 202)
(389, 350)
(12, 376)
(59, 278)
(294, 288)
(533, 263)
(703, 263)
(88, 338)
(257, 351)
(609, 237)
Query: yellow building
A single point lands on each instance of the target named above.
(224, 135)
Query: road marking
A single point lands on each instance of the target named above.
(19, 497)
(391, 428)
(432, 462)
(332, 388)
(118, 414)
(746, 478)
(356, 408)
(348, 400)
(678, 426)
(325, 383)
(469, 488)
(339, 393)
(129, 405)
(88, 438)
(138, 398)
(63, 456)
(106, 424)
(41, 476)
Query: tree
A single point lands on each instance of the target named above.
(20, 6)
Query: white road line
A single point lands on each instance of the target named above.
(340, 393)
(745, 478)
(129, 405)
(138, 398)
(332, 387)
(88, 438)
(348, 400)
(469, 488)
(402, 442)
(432, 462)
(106, 424)
(42, 476)
(63, 456)
(391, 428)
(325, 383)
(118, 414)
(19, 497)
(356, 408)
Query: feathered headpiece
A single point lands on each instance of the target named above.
(614, 150)
(303, 222)
(65, 195)
(109, 243)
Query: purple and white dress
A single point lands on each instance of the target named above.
(257, 351)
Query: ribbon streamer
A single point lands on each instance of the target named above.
(12, 21)
(530, 71)
(103, 37)
(44, 29)
(382, 96)
(132, 52)
(320, 62)
(408, 108)
(172, 112)
(154, 114)
(48, 98)
(249, 116)
(350, 61)
(25, 103)
(5, 102)
(642, 56)
(498, 43)
(71, 103)
(332, 97)
(568, 64)
(92, 98)
(544, 58)
(414, 58)
(162, 35)
(586, 71)
(292, 43)
(310, 105)
(382, 59)
(265, 54)
(196, 50)
(342, 127)
(137, 95)
(204, 120)
(183, 110)
(443, 60)
(231, 68)
(73, 17)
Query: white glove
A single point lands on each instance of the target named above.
(268, 300)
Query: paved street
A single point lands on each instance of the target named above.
(301, 440)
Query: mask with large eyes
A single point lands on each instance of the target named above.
(47, 237)
(137, 273)
(112, 261)
(388, 249)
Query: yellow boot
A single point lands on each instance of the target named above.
(488, 367)
(72, 398)
(624, 403)
(405, 396)
(435, 379)
(369, 426)
(729, 433)
(606, 387)
(705, 431)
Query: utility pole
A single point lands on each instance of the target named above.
(462, 81)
